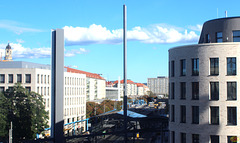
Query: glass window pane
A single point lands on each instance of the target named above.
(236, 33)
(231, 90)
(195, 138)
(183, 90)
(10, 78)
(214, 115)
(195, 90)
(2, 78)
(19, 78)
(214, 139)
(232, 115)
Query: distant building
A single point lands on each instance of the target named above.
(142, 89)
(158, 85)
(131, 87)
(37, 78)
(96, 85)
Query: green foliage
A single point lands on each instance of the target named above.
(108, 105)
(3, 116)
(26, 111)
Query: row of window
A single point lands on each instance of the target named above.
(219, 37)
(43, 90)
(74, 91)
(2, 88)
(74, 111)
(214, 90)
(10, 78)
(74, 101)
(214, 67)
(214, 115)
(44, 79)
(195, 138)
(74, 81)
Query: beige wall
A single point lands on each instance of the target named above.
(204, 52)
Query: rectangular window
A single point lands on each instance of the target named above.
(2, 89)
(10, 88)
(28, 78)
(183, 137)
(45, 79)
(219, 37)
(2, 78)
(28, 89)
(232, 115)
(214, 138)
(232, 139)
(173, 137)
(183, 67)
(41, 78)
(172, 68)
(214, 66)
(10, 78)
(231, 90)
(195, 90)
(231, 66)
(195, 138)
(214, 90)
(236, 36)
(207, 38)
(48, 79)
(172, 114)
(19, 78)
(214, 115)
(183, 90)
(195, 67)
(183, 113)
(195, 114)
(172, 90)
(37, 78)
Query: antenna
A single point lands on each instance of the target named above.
(217, 12)
(226, 14)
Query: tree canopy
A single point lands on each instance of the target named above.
(25, 110)
(106, 105)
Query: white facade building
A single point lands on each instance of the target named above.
(95, 84)
(37, 78)
(158, 85)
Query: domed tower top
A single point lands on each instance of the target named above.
(221, 30)
(8, 46)
(8, 53)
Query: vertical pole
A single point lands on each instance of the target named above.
(57, 86)
(10, 134)
(125, 68)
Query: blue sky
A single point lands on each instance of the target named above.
(93, 32)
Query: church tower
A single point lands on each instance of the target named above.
(8, 53)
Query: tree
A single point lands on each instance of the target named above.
(26, 111)
(3, 117)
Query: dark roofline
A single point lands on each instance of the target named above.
(222, 18)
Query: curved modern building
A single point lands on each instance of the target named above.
(203, 79)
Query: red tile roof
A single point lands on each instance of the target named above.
(140, 85)
(128, 82)
(88, 74)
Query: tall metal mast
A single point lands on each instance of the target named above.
(125, 68)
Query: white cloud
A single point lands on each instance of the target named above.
(16, 27)
(74, 52)
(20, 41)
(197, 27)
(19, 51)
(159, 33)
